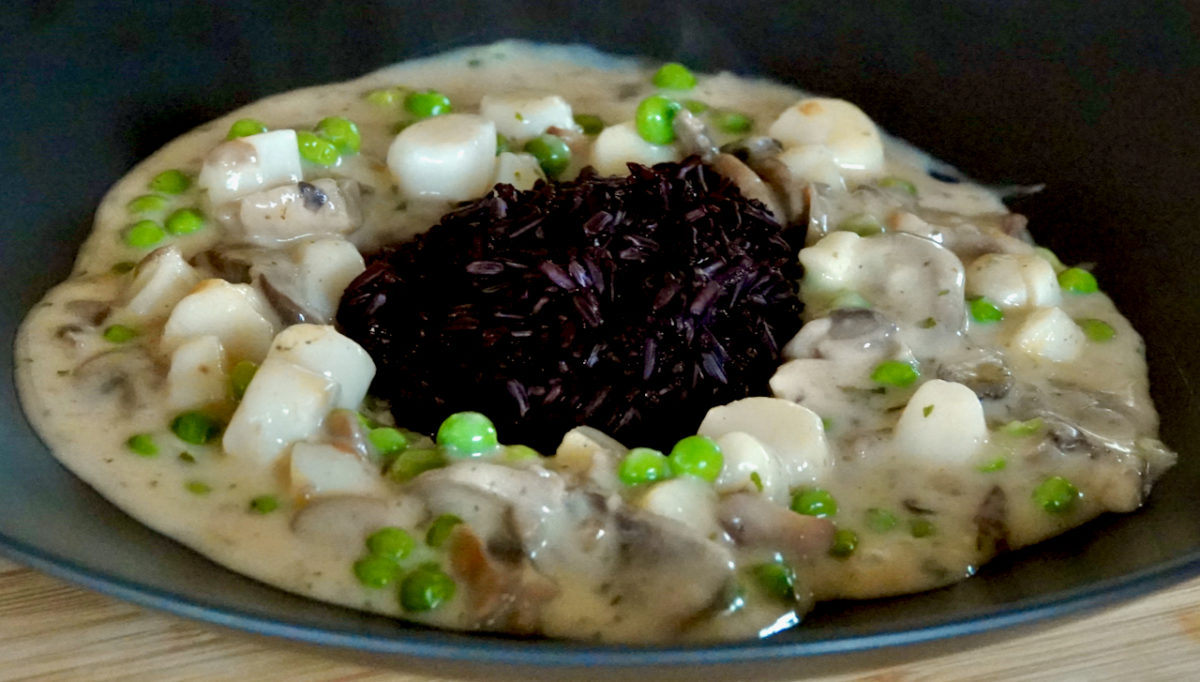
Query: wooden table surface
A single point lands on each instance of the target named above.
(51, 630)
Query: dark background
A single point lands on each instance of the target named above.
(1099, 101)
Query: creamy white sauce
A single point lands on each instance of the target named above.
(87, 396)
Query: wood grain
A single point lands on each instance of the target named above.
(51, 630)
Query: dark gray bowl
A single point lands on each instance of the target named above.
(1098, 101)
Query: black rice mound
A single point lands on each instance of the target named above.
(629, 304)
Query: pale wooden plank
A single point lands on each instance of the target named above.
(50, 630)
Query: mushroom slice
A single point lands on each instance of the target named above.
(753, 521)
(504, 595)
(294, 211)
(750, 184)
(342, 521)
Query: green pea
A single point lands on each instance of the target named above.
(387, 440)
(776, 579)
(591, 124)
(845, 541)
(1026, 428)
(184, 221)
(654, 118)
(814, 502)
(881, 520)
(342, 132)
(520, 453)
(264, 504)
(240, 377)
(315, 149)
(172, 181)
(731, 121)
(143, 234)
(198, 487)
(386, 98)
(391, 542)
(119, 333)
(552, 154)
(994, 465)
(196, 428)
(900, 184)
(142, 444)
(147, 203)
(984, 311)
(426, 588)
(502, 144)
(1078, 281)
(414, 462)
(895, 373)
(698, 456)
(439, 531)
(1097, 330)
(1056, 495)
(921, 528)
(467, 434)
(695, 106)
(674, 76)
(245, 127)
(861, 224)
(376, 571)
(427, 104)
(644, 465)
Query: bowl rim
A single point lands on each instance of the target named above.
(442, 645)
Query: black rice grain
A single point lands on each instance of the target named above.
(629, 304)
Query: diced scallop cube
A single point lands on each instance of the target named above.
(235, 313)
(159, 282)
(837, 125)
(832, 263)
(942, 423)
(793, 433)
(322, 350)
(1049, 333)
(321, 469)
(620, 144)
(197, 375)
(748, 465)
(239, 167)
(1014, 280)
(685, 499)
(450, 157)
(326, 268)
(293, 211)
(519, 170)
(586, 453)
(284, 403)
(521, 116)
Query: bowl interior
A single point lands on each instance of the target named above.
(1093, 101)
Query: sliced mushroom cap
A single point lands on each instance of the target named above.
(493, 499)
(912, 280)
(504, 595)
(342, 521)
(849, 334)
(751, 185)
(693, 135)
(754, 521)
(984, 371)
(323, 207)
(122, 372)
